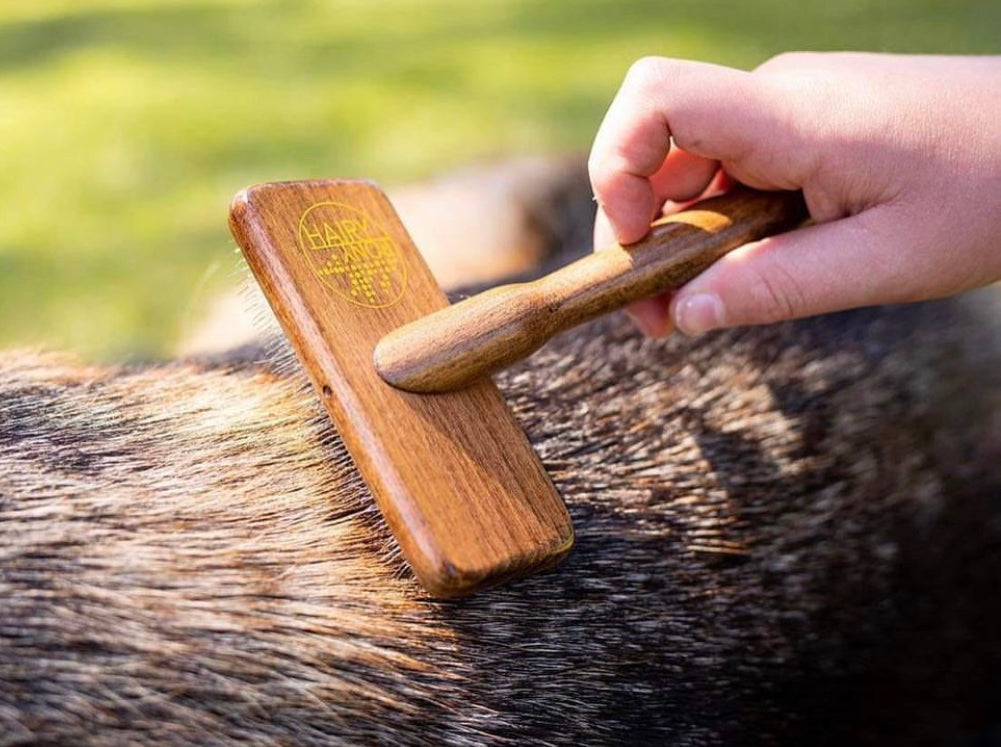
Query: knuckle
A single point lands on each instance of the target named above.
(646, 73)
(797, 111)
(776, 294)
(788, 61)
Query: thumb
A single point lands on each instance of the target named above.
(821, 268)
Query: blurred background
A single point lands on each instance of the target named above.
(127, 125)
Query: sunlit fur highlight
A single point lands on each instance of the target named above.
(775, 527)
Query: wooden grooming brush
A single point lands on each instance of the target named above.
(453, 473)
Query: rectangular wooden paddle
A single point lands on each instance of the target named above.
(454, 475)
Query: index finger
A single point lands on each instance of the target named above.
(711, 111)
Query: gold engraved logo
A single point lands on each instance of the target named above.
(352, 255)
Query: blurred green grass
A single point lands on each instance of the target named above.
(125, 127)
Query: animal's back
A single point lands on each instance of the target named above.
(784, 535)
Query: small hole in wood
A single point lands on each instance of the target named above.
(326, 391)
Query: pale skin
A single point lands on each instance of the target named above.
(899, 158)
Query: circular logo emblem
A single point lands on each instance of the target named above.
(352, 255)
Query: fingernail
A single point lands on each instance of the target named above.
(699, 313)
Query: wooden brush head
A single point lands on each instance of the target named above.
(454, 475)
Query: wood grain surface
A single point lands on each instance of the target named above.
(475, 337)
(454, 474)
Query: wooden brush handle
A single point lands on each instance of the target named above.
(452, 347)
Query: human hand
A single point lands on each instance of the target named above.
(899, 158)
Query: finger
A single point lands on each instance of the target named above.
(718, 184)
(712, 112)
(604, 237)
(697, 178)
(838, 265)
(652, 315)
(682, 177)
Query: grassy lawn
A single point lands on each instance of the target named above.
(125, 127)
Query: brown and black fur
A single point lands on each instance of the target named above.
(785, 535)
